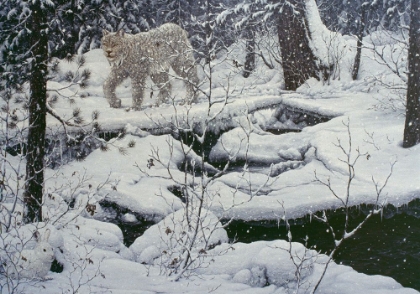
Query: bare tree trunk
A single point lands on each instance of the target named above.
(249, 65)
(362, 25)
(298, 60)
(412, 118)
(37, 115)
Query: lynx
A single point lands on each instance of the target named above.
(151, 54)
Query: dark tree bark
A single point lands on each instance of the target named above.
(249, 64)
(298, 60)
(412, 118)
(37, 115)
(361, 30)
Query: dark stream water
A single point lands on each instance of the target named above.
(387, 245)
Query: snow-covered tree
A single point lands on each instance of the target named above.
(298, 24)
(346, 16)
(76, 26)
(209, 31)
(298, 59)
(26, 46)
(396, 14)
(181, 12)
(248, 26)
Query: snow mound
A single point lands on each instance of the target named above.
(167, 239)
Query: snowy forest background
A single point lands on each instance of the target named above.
(307, 121)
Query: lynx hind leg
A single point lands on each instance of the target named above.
(192, 85)
(138, 86)
(115, 78)
(185, 68)
(161, 80)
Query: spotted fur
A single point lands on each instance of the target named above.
(151, 54)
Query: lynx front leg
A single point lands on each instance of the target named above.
(115, 78)
(137, 85)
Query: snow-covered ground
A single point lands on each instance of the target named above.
(92, 249)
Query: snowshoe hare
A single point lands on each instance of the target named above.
(34, 263)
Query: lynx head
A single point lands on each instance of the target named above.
(113, 45)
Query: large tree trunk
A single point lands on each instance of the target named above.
(412, 118)
(37, 115)
(298, 60)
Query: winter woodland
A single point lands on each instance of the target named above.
(297, 154)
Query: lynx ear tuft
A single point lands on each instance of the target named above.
(120, 33)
